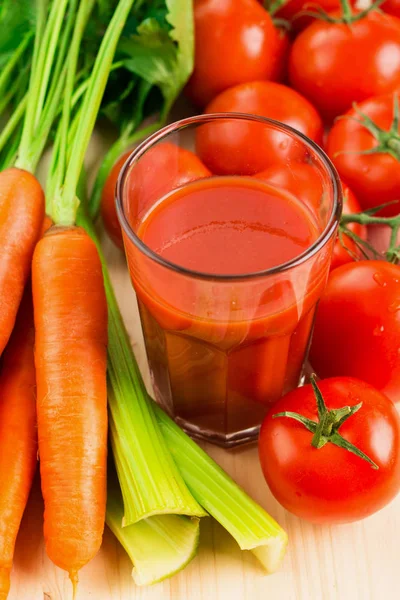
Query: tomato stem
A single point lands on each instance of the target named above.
(273, 6)
(392, 254)
(388, 139)
(325, 430)
(348, 16)
(283, 25)
(347, 12)
(394, 145)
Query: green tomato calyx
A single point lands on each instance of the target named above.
(388, 140)
(325, 430)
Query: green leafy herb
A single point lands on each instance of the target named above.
(157, 52)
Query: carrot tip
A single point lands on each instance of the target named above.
(73, 575)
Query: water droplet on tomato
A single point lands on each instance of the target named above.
(379, 330)
(283, 145)
(380, 279)
(394, 306)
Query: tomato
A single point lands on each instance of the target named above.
(374, 177)
(357, 325)
(391, 7)
(304, 181)
(336, 64)
(291, 9)
(340, 254)
(281, 57)
(235, 41)
(172, 167)
(246, 148)
(108, 210)
(330, 484)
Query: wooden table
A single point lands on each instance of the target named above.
(351, 562)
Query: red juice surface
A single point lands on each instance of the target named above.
(220, 352)
(228, 226)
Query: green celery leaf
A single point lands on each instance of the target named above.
(161, 52)
(180, 17)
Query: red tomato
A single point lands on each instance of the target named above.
(172, 167)
(392, 7)
(340, 255)
(357, 325)
(334, 65)
(235, 42)
(301, 179)
(330, 484)
(291, 9)
(282, 51)
(247, 148)
(374, 178)
(108, 211)
(304, 181)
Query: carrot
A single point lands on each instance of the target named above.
(70, 312)
(21, 218)
(70, 355)
(18, 437)
(47, 223)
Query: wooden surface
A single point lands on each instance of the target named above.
(352, 562)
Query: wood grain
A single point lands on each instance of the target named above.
(349, 562)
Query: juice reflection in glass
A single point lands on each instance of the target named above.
(227, 269)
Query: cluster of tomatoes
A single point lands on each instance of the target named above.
(333, 76)
(330, 451)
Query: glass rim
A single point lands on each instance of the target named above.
(162, 133)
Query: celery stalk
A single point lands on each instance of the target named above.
(159, 546)
(150, 481)
(244, 519)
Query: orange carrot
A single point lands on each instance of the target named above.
(47, 223)
(18, 436)
(21, 218)
(70, 356)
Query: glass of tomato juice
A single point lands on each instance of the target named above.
(229, 222)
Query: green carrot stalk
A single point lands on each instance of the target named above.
(45, 57)
(8, 71)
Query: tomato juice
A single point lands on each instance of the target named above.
(221, 347)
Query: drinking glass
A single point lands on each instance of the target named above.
(222, 348)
